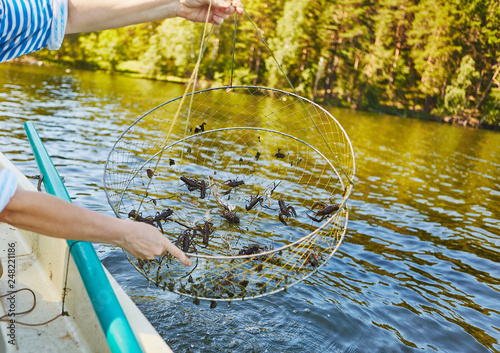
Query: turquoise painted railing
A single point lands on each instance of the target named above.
(113, 321)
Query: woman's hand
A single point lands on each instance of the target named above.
(145, 241)
(196, 10)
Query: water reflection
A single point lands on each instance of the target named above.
(418, 269)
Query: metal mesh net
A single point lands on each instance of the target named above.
(251, 182)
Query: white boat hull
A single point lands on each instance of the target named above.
(41, 264)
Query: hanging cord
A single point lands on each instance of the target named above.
(203, 47)
(6, 317)
(192, 81)
(295, 91)
(234, 47)
(65, 289)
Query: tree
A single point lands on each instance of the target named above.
(171, 49)
(393, 20)
(434, 50)
(367, 54)
(456, 96)
(286, 43)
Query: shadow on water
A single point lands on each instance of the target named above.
(418, 269)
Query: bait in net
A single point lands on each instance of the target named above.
(253, 186)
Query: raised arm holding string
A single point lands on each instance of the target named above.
(33, 25)
(96, 15)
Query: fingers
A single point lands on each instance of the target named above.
(230, 8)
(150, 254)
(224, 9)
(238, 6)
(145, 241)
(177, 253)
(219, 18)
(196, 10)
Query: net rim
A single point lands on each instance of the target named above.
(347, 180)
(260, 295)
(269, 252)
(325, 223)
(350, 177)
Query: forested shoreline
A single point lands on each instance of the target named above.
(419, 58)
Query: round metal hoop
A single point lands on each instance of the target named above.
(273, 144)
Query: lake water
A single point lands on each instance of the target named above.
(419, 267)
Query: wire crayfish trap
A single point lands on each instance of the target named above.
(252, 184)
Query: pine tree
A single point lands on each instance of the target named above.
(434, 50)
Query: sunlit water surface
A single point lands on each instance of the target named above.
(419, 268)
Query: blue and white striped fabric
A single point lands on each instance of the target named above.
(8, 185)
(29, 25)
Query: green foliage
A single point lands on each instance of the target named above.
(409, 57)
(103, 50)
(171, 49)
(286, 45)
(491, 110)
(432, 38)
(455, 98)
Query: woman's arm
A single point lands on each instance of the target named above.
(49, 215)
(97, 15)
(54, 18)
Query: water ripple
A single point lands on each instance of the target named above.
(419, 267)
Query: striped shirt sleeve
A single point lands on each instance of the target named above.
(30, 25)
(8, 185)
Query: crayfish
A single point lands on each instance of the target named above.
(324, 212)
(285, 211)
